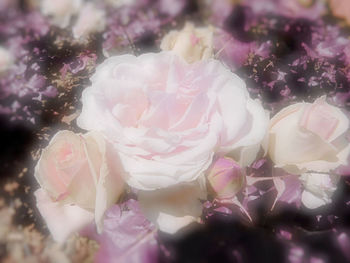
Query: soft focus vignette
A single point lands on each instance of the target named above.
(159, 142)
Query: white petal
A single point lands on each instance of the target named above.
(232, 103)
(289, 145)
(62, 220)
(147, 174)
(173, 208)
(312, 201)
(171, 224)
(260, 122)
(109, 185)
(248, 146)
(245, 156)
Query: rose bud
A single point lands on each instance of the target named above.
(309, 137)
(79, 181)
(226, 177)
(191, 43)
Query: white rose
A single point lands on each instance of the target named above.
(309, 137)
(167, 118)
(78, 180)
(318, 189)
(191, 43)
(60, 11)
(174, 208)
(90, 20)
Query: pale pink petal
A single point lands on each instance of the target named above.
(318, 118)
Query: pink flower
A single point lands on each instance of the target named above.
(226, 178)
(76, 177)
(167, 118)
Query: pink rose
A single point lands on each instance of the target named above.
(309, 137)
(167, 118)
(226, 177)
(76, 177)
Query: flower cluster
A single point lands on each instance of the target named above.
(173, 122)
(176, 130)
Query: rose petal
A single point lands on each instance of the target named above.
(173, 208)
(109, 185)
(312, 201)
(62, 220)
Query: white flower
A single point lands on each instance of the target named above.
(174, 208)
(191, 43)
(309, 137)
(60, 11)
(318, 190)
(77, 178)
(90, 20)
(167, 118)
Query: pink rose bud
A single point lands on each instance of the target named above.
(225, 177)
